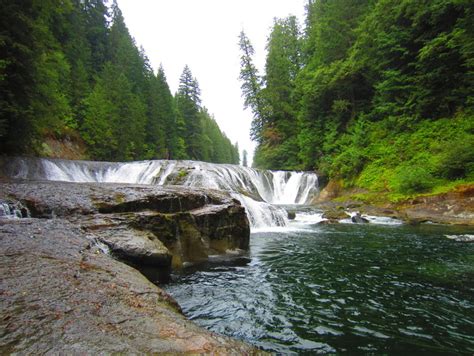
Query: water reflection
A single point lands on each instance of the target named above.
(340, 288)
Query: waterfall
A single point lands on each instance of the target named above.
(259, 191)
(13, 210)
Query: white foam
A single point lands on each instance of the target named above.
(461, 238)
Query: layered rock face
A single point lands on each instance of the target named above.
(153, 228)
(60, 294)
(63, 293)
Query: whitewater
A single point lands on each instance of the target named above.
(261, 192)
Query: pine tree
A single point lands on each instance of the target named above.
(17, 73)
(251, 87)
(34, 74)
(279, 142)
(188, 105)
(244, 158)
(167, 115)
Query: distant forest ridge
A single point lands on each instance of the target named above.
(378, 94)
(70, 70)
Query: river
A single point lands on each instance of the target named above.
(342, 288)
(304, 287)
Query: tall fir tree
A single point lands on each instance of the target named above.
(188, 104)
(251, 87)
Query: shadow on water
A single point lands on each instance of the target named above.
(215, 264)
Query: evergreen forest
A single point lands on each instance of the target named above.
(70, 71)
(374, 94)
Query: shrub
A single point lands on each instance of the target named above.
(458, 160)
(412, 179)
(348, 163)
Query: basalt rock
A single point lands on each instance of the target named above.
(146, 226)
(61, 294)
(334, 214)
(358, 219)
(455, 207)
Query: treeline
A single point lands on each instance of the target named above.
(377, 93)
(70, 68)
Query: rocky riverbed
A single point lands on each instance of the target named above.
(62, 290)
(455, 207)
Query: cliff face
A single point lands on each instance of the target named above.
(61, 290)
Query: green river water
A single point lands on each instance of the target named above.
(343, 288)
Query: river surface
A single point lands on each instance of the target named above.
(343, 288)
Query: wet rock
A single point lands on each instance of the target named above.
(461, 238)
(330, 191)
(140, 249)
(194, 235)
(358, 219)
(147, 226)
(291, 215)
(455, 207)
(13, 209)
(334, 214)
(61, 295)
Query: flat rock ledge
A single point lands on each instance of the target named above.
(62, 293)
(153, 228)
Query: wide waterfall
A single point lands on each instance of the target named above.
(260, 191)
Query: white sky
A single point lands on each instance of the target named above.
(204, 35)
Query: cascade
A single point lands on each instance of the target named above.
(260, 191)
(13, 210)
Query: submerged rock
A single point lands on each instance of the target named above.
(461, 238)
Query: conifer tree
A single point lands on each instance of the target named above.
(167, 115)
(70, 70)
(251, 87)
(244, 158)
(188, 104)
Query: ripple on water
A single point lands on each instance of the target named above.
(346, 288)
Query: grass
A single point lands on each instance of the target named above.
(383, 197)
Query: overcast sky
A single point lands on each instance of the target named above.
(204, 35)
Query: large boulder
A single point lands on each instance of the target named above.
(61, 294)
(150, 227)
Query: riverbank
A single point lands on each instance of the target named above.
(454, 207)
(62, 290)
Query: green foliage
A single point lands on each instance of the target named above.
(217, 147)
(457, 159)
(412, 179)
(251, 86)
(272, 98)
(70, 67)
(96, 128)
(188, 106)
(383, 94)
